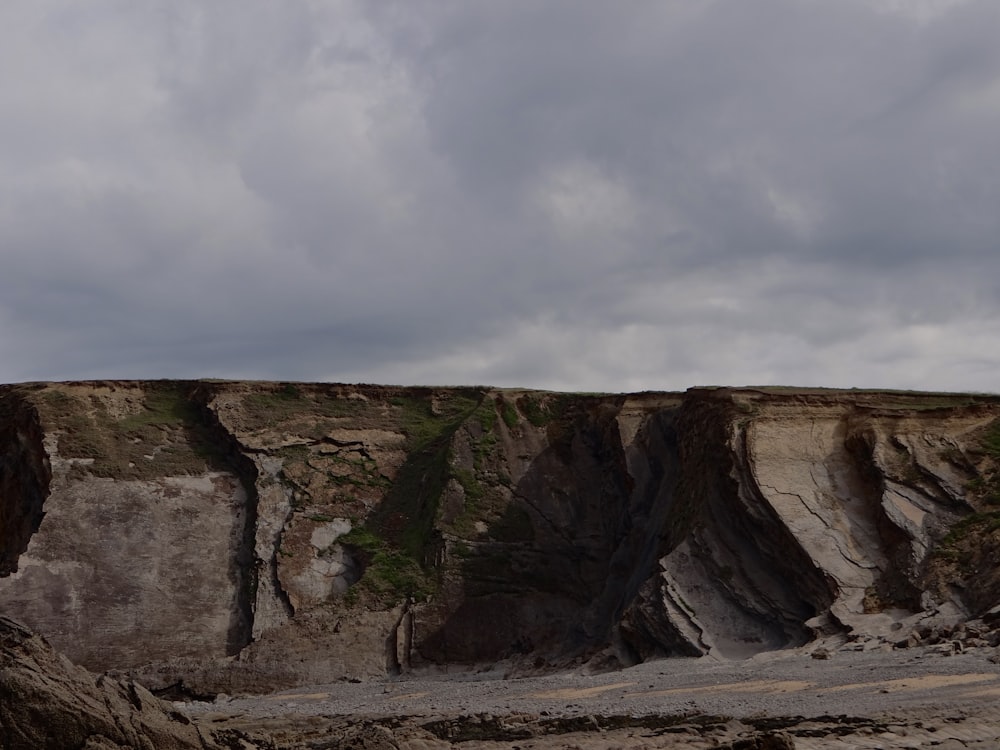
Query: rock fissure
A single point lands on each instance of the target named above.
(25, 476)
(244, 559)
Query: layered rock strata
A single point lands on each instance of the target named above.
(229, 536)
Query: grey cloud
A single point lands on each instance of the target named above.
(556, 194)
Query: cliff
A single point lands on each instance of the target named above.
(47, 703)
(230, 536)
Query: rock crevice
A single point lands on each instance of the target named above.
(25, 475)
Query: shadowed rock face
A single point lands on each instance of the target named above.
(47, 703)
(216, 536)
(24, 478)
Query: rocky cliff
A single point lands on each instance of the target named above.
(232, 536)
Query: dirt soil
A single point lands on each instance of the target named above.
(866, 699)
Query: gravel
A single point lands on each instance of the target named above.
(785, 683)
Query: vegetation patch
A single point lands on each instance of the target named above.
(169, 436)
(313, 412)
(990, 441)
(425, 416)
(399, 536)
(968, 531)
(509, 413)
(535, 409)
(321, 518)
(406, 516)
(389, 574)
(973, 524)
(966, 558)
(986, 487)
(486, 415)
(474, 490)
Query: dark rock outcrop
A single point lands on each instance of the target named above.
(47, 703)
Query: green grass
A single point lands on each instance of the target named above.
(288, 402)
(167, 437)
(486, 414)
(986, 487)
(474, 490)
(990, 441)
(423, 418)
(407, 513)
(535, 410)
(399, 536)
(321, 518)
(390, 574)
(509, 413)
(982, 523)
(543, 410)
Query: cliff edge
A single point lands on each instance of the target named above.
(211, 536)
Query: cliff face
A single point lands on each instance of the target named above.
(217, 536)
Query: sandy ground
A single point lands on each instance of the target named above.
(912, 698)
(779, 683)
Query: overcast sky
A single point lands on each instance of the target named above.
(564, 194)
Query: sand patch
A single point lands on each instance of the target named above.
(757, 686)
(990, 692)
(570, 693)
(297, 697)
(922, 682)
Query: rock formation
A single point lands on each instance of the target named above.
(228, 536)
(47, 703)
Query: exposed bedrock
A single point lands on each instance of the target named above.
(228, 536)
(575, 528)
(732, 579)
(47, 703)
(815, 515)
(141, 554)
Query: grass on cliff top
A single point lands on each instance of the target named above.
(284, 402)
(871, 398)
(542, 409)
(168, 437)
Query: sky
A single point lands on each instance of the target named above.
(562, 194)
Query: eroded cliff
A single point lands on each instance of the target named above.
(225, 536)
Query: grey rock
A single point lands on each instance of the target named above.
(46, 702)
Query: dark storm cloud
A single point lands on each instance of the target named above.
(560, 194)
